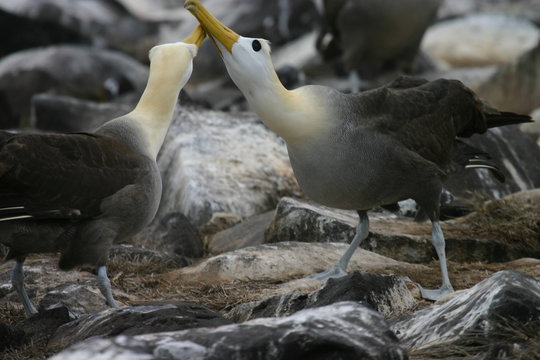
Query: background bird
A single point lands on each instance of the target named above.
(373, 37)
(358, 151)
(78, 193)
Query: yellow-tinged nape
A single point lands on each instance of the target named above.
(295, 115)
(170, 69)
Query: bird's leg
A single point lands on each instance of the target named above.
(437, 239)
(17, 280)
(283, 18)
(355, 82)
(340, 268)
(105, 286)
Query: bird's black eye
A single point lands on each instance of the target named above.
(256, 45)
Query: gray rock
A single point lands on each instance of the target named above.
(345, 330)
(513, 152)
(516, 86)
(76, 297)
(32, 33)
(284, 261)
(386, 294)
(154, 10)
(82, 72)
(248, 233)
(472, 77)
(496, 311)
(533, 129)
(391, 236)
(10, 337)
(75, 289)
(528, 9)
(36, 330)
(135, 320)
(301, 220)
(59, 113)
(219, 162)
(173, 234)
(105, 24)
(480, 40)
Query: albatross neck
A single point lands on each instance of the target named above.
(155, 109)
(295, 115)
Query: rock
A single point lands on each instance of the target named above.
(105, 24)
(291, 77)
(78, 298)
(391, 236)
(218, 162)
(301, 220)
(528, 9)
(172, 234)
(300, 53)
(472, 77)
(496, 311)
(59, 113)
(10, 337)
(73, 288)
(515, 86)
(480, 39)
(533, 129)
(154, 10)
(248, 233)
(32, 33)
(283, 261)
(346, 330)
(82, 72)
(386, 294)
(512, 152)
(134, 320)
(40, 327)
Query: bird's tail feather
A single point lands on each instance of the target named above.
(476, 163)
(502, 118)
(13, 213)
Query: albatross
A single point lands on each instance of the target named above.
(373, 37)
(359, 151)
(78, 193)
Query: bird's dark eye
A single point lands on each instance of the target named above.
(256, 45)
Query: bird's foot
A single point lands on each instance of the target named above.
(29, 309)
(435, 294)
(333, 272)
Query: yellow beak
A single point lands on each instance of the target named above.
(212, 26)
(196, 37)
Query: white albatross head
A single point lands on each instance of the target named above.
(297, 115)
(171, 66)
(248, 60)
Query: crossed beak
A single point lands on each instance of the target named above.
(196, 37)
(214, 28)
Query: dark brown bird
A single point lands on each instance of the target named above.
(373, 37)
(76, 194)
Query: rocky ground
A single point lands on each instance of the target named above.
(219, 274)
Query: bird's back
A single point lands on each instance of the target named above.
(379, 35)
(387, 144)
(53, 187)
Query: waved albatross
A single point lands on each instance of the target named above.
(78, 193)
(358, 151)
(373, 37)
